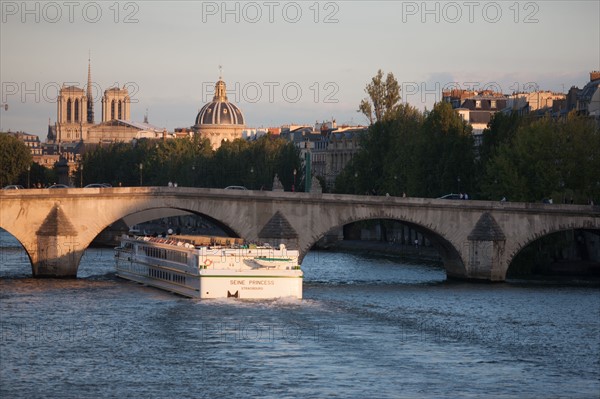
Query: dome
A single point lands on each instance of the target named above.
(219, 111)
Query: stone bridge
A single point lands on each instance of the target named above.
(475, 239)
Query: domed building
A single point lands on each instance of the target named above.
(219, 119)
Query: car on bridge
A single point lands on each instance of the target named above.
(59, 186)
(13, 187)
(98, 185)
(450, 196)
(235, 188)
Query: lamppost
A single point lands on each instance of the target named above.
(355, 182)
(81, 175)
(141, 173)
(294, 185)
(193, 175)
(458, 182)
(28, 176)
(252, 178)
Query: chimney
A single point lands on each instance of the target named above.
(594, 75)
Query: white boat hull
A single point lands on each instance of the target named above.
(255, 286)
(211, 274)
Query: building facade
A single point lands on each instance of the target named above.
(123, 131)
(327, 147)
(538, 100)
(476, 108)
(588, 99)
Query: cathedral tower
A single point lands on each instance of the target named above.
(116, 105)
(71, 121)
(75, 112)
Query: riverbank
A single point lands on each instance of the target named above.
(575, 272)
(387, 248)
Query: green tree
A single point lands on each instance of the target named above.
(192, 162)
(231, 164)
(501, 130)
(547, 158)
(383, 100)
(407, 126)
(15, 157)
(382, 164)
(117, 164)
(170, 161)
(288, 160)
(443, 158)
(37, 174)
(410, 153)
(202, 161)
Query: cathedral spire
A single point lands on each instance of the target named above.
(90, 96)
(220, 89)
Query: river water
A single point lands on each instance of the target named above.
(367, 327)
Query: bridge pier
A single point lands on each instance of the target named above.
(57, 250)
(56, 257)
(486, 248)
(485, 260)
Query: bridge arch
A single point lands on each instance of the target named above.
(229, 230)
(21, 240)
(63, 230)
(451, 257)
(524, 242)
(214, 217)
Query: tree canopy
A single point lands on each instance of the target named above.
(414, 154)
(192, 162)
(15, 157)
(521, 158)
(383, 100)
(546, 158)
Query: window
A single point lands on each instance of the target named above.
(76, 110)
(120, 113)
(112, 109)
(493, 104)
(69, 110)
(478, 104)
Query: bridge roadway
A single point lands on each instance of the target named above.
(476, 239)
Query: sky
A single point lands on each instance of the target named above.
(284, 62)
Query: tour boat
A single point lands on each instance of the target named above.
(210, 267)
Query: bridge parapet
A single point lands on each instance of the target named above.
(476, 239)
